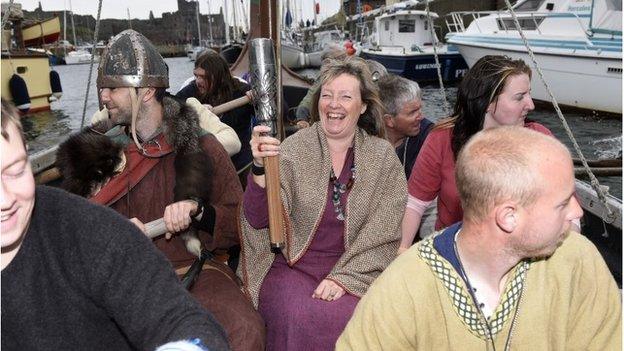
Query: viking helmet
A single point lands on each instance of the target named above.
(131, 60)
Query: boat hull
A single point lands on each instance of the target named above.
(231, 53)
(80, 59)
(314, 58)
(293, 57)
(421, 67)
(591, 82)
(35, 70)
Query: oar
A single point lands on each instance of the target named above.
(155, 228)
(599, 171)
(230, 105)
(612, 162)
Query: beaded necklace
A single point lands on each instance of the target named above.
(339, 189)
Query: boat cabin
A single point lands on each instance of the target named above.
(404, 31)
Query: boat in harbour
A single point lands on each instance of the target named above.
(78, 57)
(41, 33)
(293, 56)
(404, 44)
(321, 41)
(577, 43)
(25, 74)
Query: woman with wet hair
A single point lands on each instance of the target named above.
(496, 91)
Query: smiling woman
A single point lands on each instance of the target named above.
(343, 191)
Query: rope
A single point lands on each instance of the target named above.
(95, 37)
(437, 61)
(593, 180)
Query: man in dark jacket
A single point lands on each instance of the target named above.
(214, 85)
(76, 276)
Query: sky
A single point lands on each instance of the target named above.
(141, 8)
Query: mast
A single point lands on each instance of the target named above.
(210, 22)
(129, 20)
(225, 22)
(65, 29)
(71, 11)
(315, 16)
(235, 23)
(198, 25)
(245, 20)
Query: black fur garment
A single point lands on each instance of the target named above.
(86, 160)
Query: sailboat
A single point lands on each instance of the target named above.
(293, 55)
(80, 55)
(232, 49)
(193, 51)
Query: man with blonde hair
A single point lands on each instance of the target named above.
(510, 276)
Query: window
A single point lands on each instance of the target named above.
(386, 25)
(529, 5)
(407, 26)
(525, 23)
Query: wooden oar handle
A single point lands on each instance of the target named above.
(155, 228)
(274, 199)
(230, 105)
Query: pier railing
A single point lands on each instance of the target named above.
(456, 21)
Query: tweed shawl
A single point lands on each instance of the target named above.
(374, 211)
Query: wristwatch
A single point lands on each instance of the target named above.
(257, 170)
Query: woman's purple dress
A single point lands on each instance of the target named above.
(296, 321)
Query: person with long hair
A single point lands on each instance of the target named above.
(214, 85)
(496, 91)
(344, 193)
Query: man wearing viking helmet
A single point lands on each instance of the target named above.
(174, 170)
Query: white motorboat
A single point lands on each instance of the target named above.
(404, 44)
(79, 57)
(577, 44)
(322, 40)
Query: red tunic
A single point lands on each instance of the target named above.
(214, 289)
(434, 175)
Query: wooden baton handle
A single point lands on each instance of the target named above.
(276, 221)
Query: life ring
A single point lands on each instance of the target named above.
(367, 8)
(55, 86)
(19, 91)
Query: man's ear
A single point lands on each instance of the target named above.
(507, 216)
(149, 94)
(388, 120)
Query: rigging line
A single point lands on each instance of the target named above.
(594, 181)
(437, 61)
(95, 37)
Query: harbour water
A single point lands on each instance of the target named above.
(598, 138)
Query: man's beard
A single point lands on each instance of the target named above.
(122, 117)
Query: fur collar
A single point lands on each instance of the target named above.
(180, 125)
